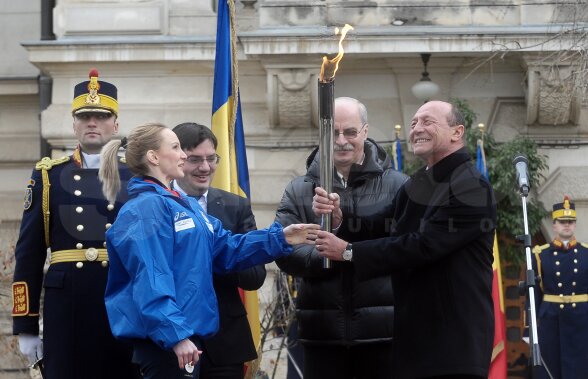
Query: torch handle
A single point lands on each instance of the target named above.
(326, 105)
(326, 172)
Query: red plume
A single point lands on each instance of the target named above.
(93, 73)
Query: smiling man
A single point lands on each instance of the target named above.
(224, 354)
(65, 213)
(440, 254)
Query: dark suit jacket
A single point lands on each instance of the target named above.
(233, 343)
(441, 254)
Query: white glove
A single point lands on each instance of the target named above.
(30, 346)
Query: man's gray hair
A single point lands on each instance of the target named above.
(363, 116)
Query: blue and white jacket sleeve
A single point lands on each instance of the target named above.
(237, 252)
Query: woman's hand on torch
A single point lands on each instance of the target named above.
(323, 203)
(296, 234)
(330, 246)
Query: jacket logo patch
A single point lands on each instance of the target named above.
(184, 224)
(180, 215)
(28, 198)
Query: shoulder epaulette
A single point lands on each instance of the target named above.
(48, 163)
(584, 244)
(537, 249)
(122, 160)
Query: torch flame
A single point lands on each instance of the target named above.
(335, 61)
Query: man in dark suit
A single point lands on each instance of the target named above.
(440, 253)
(226, 352)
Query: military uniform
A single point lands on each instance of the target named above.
(562, 303)
(66, 217)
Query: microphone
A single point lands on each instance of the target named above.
(520, 163)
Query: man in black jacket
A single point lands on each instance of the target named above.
(345, 324)
(225, 353)
(440, 254)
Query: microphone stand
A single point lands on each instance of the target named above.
(528, 287)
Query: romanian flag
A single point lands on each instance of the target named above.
(498, 362)
(232, 174)
(397, 155)
(481, 159)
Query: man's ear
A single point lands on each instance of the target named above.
(458, 132)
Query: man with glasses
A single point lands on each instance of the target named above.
(344, 323)
(562, 297)
(225, 353)
(66, 216)
(439, 254)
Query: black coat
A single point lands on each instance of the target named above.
(441, 258)
(77, 340)
(233, 342)
(334, 306)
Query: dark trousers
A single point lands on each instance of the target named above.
(208, 370)
(371, 361)
(157, 363)
(457, 376)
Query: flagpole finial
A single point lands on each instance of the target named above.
(397, 127)
(481, 126)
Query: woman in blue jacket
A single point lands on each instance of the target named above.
(163, 249)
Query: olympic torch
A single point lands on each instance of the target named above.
(326, 96)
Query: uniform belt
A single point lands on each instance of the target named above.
(78, 255)
(565, 299)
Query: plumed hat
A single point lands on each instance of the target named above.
(94, 96)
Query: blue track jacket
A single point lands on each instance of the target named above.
(162, 251)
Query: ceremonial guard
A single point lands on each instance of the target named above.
(562, 300)
(65, 217)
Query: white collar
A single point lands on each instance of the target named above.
(177, 187)
(342, 179)
(91, 160)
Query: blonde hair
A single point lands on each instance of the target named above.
(139, 141)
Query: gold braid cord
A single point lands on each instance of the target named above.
(45, 165)
(537, 251)
(46, 186)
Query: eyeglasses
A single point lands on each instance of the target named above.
(348, 133)
(211, 159)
